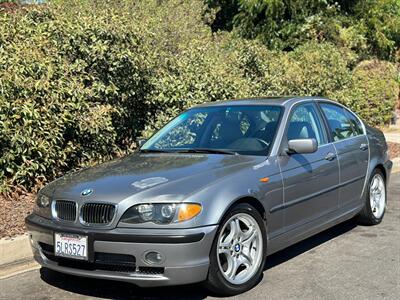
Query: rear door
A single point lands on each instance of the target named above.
(310, 180)
(352, 148)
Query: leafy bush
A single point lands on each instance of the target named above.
(370, 27)
(381, 19)
(71, 92)
(373, 92)
(312, 69)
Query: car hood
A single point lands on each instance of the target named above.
(156, 177)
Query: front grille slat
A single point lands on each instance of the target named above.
(108, 212)
(97, 213)
(65, 210)
(72, 212)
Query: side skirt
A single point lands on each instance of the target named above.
(309, 229)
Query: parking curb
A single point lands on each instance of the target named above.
(15, 256)
(18, 267)
(396, 165)
(14, 249)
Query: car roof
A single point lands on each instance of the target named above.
(282, 101)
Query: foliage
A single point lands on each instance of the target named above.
(69, 90)
(382, 21)
(286, 24)
(373, 91)
(81, 80)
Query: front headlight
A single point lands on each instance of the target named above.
(161, 213)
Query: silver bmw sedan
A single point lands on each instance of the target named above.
(213, 193)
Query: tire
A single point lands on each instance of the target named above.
(372, 214)
(246, 244)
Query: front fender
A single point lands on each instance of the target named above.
(220, 196)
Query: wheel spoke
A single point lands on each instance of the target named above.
(235, 226)
(224, 250)
(232, 267)
(374, 184)
(250, 238)
(226, 243)
(246, 260)
(230, 237)
(246, 235)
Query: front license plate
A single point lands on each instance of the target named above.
(71, 245)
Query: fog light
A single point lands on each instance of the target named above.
(43, 201)
(153, 257)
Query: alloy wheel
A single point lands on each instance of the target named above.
(377, 196)
(240, 248)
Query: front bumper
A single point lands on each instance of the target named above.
(185, 252)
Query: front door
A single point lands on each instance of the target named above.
(310, 180)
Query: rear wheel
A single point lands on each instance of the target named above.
(375, 204)
(239, 250)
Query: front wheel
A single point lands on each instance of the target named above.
(375, 204)
(238, 253)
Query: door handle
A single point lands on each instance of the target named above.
(330, 156)
(363, 147)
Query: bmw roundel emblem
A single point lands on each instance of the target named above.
(86, 192)
(237, 247)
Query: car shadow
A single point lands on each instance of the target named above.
(121, 290)
(308, 244)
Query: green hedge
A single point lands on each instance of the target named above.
(373, 91)
(81, 80)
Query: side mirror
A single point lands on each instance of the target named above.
(302, 146)
(141, 142)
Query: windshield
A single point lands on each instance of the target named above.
(247, 130)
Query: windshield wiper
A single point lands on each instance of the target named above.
(207, 150)
(153, 151)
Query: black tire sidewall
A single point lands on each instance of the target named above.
(215, 280)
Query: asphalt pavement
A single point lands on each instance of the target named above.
(345, 262)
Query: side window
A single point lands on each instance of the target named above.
(339, 122)
(355, 123)
(304, 123)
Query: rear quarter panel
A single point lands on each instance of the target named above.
(378, 151)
